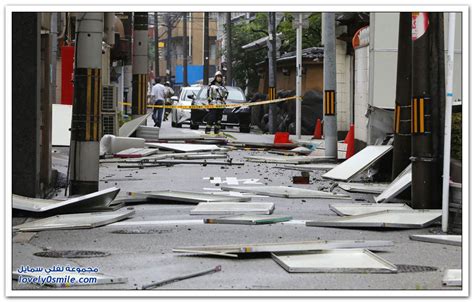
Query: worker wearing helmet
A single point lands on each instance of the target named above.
(216, 95)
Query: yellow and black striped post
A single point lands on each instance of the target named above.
(420, 115)
(329, 102)
(139, 94)
(271, 93)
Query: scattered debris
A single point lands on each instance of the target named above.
(410, 268)
(301, 150)
(99, 278)
(375, 188)
(160, 163)
(148, 133)
(101, 199)
(397, 186)
(443, 239)
(301, 180)
(344, 209)
(110, 144)
(245, 248)
(452, 277)
(23, 237)
(233, 208)
(184, 147)
(73, 221)
(357, 163)
(187, 197)
(308, 167)
(130, 127)
(135, 152)
(233, 181)
(334, 261)
(72, 254)
(384, 219)
(285, 192)
(175, 279)
(287, 159)
(247, 219)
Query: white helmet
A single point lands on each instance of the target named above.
(218, 73)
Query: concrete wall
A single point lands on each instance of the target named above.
(361, 93)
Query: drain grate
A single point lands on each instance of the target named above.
(141, 232)
(72, 254)
(407, 268)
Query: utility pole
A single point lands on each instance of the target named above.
(205, 73)
(169, 33)
(402, 120)
(157, 49)
(85, 135)
(330, 109)
(127, 79)
(229, 48)
(272, 112)
(428, 82)
(185, 49)
(140, 63)
(299, 66)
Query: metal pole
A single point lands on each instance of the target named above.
(447, 124)
(127, 70)
(157, 49)
(169, 35)
(299, 66)
(85, 135)
(185, 49)
(271, 73)
(205, 73)
(330, 109)
(229, 49)
(140, 63)
(402, 120)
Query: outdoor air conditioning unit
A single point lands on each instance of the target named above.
(109, 123)
(109, 98)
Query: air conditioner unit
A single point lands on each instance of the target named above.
(109, 123)
(109, 98)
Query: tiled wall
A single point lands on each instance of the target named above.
(361, 92)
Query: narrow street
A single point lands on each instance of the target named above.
(140, 248)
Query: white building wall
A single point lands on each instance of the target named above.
(361, 92)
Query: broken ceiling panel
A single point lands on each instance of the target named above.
(285, 192)
(101, 198)
(287, 159)
(384, 219)
(375, 188)
(308, 167)
(345, 209)
(248, 219)
(452, 277)
(286, 246)
(443, 239)
(188, 197)
(357, 163)
(130, 127)
(74, 221)
(135, 152)
(334, 261)
(184, 147)
(397, 186)
(233, 208)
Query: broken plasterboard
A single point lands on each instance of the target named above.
(443, 239)
(233, 181)
(452, 277)
(285, 192)
(397, 186)
(135, 152)
(357, 163)
(334, 261)
(184, 147)
(74, 221)
(148, 133)
(66, 277)
(101, 198)
(248, 219)
(375, 188)
(62, 117)
(350, 209)
(130, 127)
(287, 159)
(298, 246)
(233, 208)
(383, 219)
(188, 197)
(308, 167)
(217, 191)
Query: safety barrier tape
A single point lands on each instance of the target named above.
(217, 106)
